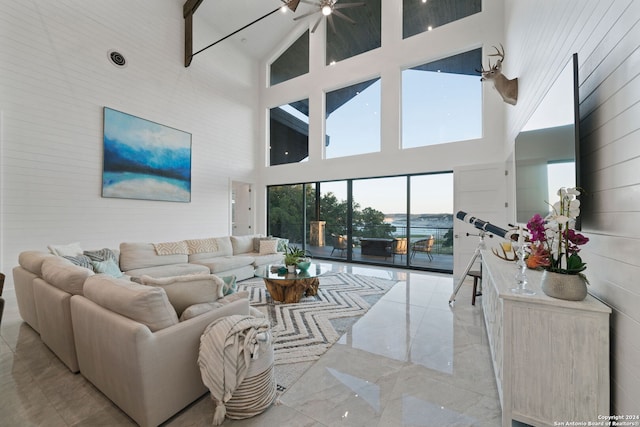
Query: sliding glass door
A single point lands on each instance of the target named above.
(404, 221)
(380, 220)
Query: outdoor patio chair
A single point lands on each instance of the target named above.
(424, 245)
(339, 244)
(398, 247)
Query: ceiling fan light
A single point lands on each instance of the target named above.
(326, 10)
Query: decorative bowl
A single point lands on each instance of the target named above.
(304, 265)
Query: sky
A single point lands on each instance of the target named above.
(430, 193)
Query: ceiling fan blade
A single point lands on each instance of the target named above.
(333, 26)
(315, 3)
(316, 24)
(291, 4)
(343, 16)
(305, 15)
(346, 5)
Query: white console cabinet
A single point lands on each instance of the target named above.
(550, 356)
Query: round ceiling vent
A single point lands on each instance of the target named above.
(117, 59)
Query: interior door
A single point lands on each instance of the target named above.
(242, 217)
(479, 190)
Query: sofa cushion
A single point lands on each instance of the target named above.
(184, 291)
(32, 261)
(276, 258)
(135, 256)
(243, 244)
(169, 270)
(148, 305)
(225, 263)
(71, 249)
(222, 248)
(198, 309)
(64, 275)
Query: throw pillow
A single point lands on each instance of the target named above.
(198, 246)
(72, 249)
(282, 245)
(257, 240)
(102, 255)
(81, 260)
(268, 247)
(184, 291)
(230, 285)
(172, 248)
(108, 266)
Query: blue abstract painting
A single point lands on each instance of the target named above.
(145, 160)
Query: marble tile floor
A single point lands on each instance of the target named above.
(412, 360)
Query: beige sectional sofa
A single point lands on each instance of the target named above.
(122, 356)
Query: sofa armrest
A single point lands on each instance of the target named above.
(149, 375)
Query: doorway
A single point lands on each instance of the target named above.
(242, 218)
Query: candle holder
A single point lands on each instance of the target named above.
(521, 276)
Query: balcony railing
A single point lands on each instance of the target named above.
(441, 253)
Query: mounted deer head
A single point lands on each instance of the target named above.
(508, 89)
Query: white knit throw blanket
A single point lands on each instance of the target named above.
(226, 348)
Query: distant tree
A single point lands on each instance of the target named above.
(447, 239)
(370, 223)
(285, 211)
(286, 214)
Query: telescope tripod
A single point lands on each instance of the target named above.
(476, 254)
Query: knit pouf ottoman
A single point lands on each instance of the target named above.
(236, 364)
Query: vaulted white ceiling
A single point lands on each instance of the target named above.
(258, 40)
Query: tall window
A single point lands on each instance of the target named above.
(346, 39)
(419, 16)
(353, 120)
(442, 101)
(293, 62)
(289, 133)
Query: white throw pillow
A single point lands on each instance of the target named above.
(72, 249)
(184, 291)
(268, 247)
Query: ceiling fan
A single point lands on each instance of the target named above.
(328, 8)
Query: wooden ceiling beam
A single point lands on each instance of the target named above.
(189, 8)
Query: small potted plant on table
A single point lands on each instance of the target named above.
(293, 256)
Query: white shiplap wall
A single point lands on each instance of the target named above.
(55, 79)
(541, 37)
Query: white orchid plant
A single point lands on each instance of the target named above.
(554, 242)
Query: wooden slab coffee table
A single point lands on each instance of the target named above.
(291, 287)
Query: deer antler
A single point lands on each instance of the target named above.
(499, 53)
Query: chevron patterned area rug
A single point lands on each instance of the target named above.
(303, 331)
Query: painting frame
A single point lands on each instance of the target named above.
(144, 160)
